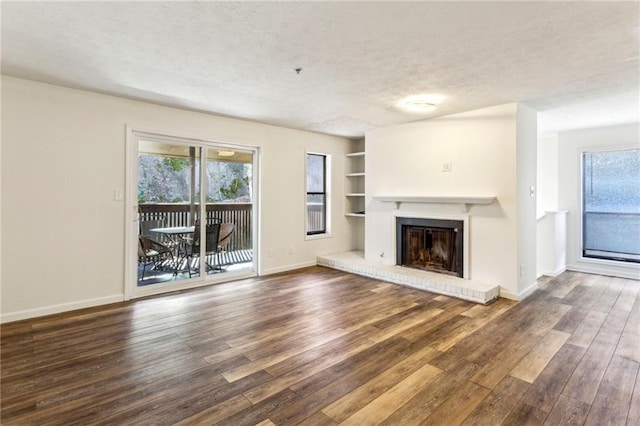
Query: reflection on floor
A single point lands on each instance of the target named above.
(226, 261)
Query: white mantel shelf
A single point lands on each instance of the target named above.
(465, 202)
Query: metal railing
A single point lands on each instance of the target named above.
(180, 215)
(315, 217)
(611, 235)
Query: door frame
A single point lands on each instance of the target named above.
(133, 135)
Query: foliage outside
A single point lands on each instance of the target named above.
(167, 180)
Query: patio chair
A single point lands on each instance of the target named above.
(151, 252)
(192, 249)
(226, 232)
(146, 227)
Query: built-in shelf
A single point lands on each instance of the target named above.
(354, 184)
(464, 201)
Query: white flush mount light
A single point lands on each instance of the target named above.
(226, 153)
(420, 103)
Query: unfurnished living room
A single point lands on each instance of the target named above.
(320, 213)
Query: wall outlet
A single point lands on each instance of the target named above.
(118, 195)
(447, 166)
(271, 252)
(290, 250)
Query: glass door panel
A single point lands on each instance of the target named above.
(229, 206)
(168, 209)
(611, 205)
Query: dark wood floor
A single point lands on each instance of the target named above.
(322, 347)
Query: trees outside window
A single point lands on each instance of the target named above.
(164, 179)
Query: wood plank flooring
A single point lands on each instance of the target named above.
(322, 347)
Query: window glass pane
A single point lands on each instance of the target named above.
(611, 211)
(315, 213)
(168, 188)
(163, 179)
(315, 173)
(228, 182)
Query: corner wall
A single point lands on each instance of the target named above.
(526, 160)
(482, 146)
(547, 175)
(63, 155)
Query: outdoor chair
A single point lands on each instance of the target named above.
(226, 232)
(151, 252)
(192, 249)
(146, 227)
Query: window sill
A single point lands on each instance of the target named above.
(609, 262)
(318, 236)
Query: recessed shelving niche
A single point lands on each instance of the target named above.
(354, 186)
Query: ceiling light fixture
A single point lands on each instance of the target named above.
(420, 103)
(226, 153)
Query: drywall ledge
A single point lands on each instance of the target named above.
(353, 262)
(464, 201)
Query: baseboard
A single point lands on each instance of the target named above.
(595, 269)
(56, 309)
(519, 296)
(528, 291)
(286, 268)
(554, 273)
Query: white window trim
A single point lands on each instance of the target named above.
(328, 206)
(133, 134)
(580, 234)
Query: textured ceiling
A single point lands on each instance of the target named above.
(574, 62)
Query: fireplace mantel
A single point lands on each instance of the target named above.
(465, 202)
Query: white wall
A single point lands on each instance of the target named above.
(552, 243)
(547, 191)
(551, 224)
(526, 160)
(482, 147)
(570, 146)
(63, 155)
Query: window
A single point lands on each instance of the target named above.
(316, 194)
(611, 205)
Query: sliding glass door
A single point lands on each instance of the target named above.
(611, 205)
(194, 212)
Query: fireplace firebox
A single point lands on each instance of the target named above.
(434, 245)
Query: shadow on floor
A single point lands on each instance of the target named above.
(226, 262)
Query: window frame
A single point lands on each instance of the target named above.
(611, 260)
(326, 232)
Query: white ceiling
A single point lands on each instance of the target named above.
(574, 62)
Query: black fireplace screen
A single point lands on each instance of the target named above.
(430, 244)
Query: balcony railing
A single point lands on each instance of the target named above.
(180, 215)
(315, 217)
(612, 235)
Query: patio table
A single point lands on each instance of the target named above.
(176, 235)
